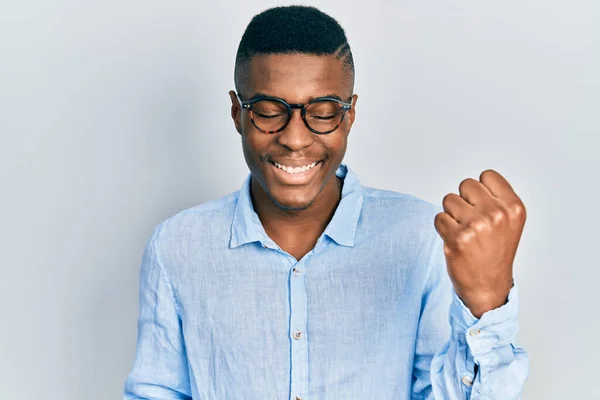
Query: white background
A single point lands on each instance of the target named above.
(115, 115)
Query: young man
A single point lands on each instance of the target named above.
(305, 284)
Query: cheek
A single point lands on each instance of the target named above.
(336, 144)
(249, 147)
(254, 144)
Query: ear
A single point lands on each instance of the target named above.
(236, 111)
(351, 114)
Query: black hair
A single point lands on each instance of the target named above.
(293, 29)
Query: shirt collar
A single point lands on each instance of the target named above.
(246, 226)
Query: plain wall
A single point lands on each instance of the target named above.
(115, 115)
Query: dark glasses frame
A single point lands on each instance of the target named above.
(247, 105)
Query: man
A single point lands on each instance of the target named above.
(305, 284)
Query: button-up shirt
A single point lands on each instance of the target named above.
(368, 313)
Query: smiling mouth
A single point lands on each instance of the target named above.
(295, 170)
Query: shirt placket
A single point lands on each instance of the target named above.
(298, 334)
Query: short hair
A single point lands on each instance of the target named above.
(289, 30)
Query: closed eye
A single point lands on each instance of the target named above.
(322, 117)
(260, 115)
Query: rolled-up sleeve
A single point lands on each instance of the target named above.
(160, 369)
(479, 358)
(489, 343)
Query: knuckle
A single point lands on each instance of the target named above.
(464, 185)
(447, 199)
(488, 173)
(464, 238)
(517, 209)
(481, 223)
(498, 215)
(437, 220)
(447, 251)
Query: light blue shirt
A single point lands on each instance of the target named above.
(369, 313)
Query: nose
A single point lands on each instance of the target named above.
(296, 135)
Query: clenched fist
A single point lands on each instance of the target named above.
(481, 230)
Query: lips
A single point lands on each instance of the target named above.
(298, 173)
(295, 169)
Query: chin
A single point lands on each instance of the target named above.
(292, 203)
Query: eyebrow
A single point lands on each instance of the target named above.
(311, 98)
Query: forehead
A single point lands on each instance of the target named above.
(297, 77)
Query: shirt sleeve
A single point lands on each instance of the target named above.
(468, 358)
(160, 368)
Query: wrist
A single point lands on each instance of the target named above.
(481, 302)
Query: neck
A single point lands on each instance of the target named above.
(308, 224)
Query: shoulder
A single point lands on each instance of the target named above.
(402, 223)
(398, 218)
(211, 217)
(398, 206)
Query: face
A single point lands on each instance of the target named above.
(295, 78)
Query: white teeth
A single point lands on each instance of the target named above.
(295, 170)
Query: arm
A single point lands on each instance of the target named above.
(450, 362)
(160, 368)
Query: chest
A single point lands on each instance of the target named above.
(339, 294)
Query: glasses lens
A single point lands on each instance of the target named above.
(269, 115)
(324, 115)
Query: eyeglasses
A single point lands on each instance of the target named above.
(271, 114)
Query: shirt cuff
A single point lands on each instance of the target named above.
(495, 328)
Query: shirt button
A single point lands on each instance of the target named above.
(297, 271)
(467, 380)
(475, 332)
(297, 335)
